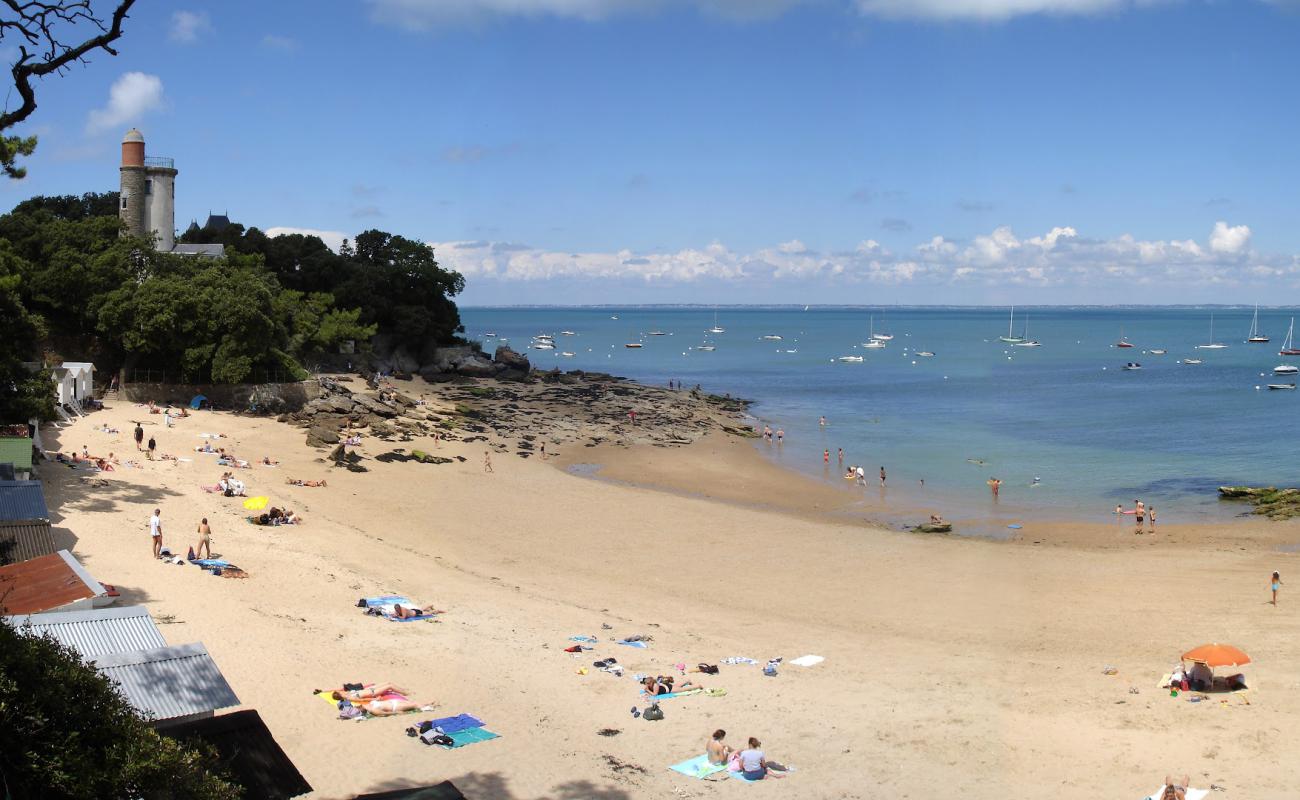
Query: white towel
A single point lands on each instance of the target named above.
(807, 661)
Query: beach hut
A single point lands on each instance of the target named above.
(83, 379)
(247, 751)
(16, 448)
(170, 684)
(65, 388)
(96, 632)
(24, 522)
(49, 583)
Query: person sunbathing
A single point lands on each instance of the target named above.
(1175, 791)
(183, 413)
(103, 465)
(408, 612)
(664, 685)
(376, 691)
(206, 448)
(270, 462)
(354, 441)
(301, 482)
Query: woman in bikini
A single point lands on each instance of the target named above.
(1175, 791)
(205, 540)
(718, 750)
(368, 692)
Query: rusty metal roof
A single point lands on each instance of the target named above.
(248, 751)
(23, 541)
(169, 682)
(99, 631)
(46, 583)
(22, 501)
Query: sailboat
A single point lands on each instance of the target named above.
(874, 342)
(1123, 340)
(1011, 338)
(1255, 336)
(1024, 333)
(1288, 349)
(715, 328)
(881, 337)
(1212, 345)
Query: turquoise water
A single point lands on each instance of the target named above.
(1067, 413)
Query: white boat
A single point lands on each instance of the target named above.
(615, 316)
(1011, 338)
(490, 335)
(1255, 336)
(771, 337)
(708, 348)
(874, 344)
(1132, 365)
(656, 333)
(568, 333)
(791, 351)
(873, 341)
(633, 345)
(715, 328)
(884, 337)
(542, 346)
(1157, 352)
(1212, 345)
(567, 354)
(1289, 386)
(924, 354)
(1029, 343)
(1288, 349)
(1286, 369)
(1192, 361)
(850, 359)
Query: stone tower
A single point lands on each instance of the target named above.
(148, 192)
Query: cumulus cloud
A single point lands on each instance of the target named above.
(1057, 257)
(187, 26)
(129, 98)
(1229, 240)
(332, 239)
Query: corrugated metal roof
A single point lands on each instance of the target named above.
(248, 751)
(169, 682)
(22, 501)
(46, 583)
(97, 632)
(23, 541)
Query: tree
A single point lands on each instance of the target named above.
(399, 285)
(42, 26)
(66, 732)
(24, 394)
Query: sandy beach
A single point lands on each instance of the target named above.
(953, 666)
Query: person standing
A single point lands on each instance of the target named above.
(882, 477)
(1140, 511)
(155, 532)
(841, 452)
(139, 436)
(995, 486)
(862, 476)
(205, 540)
(780, 435)
(1275, 584)
(1151, 518)
(826, 457)
(822, 422)
(543, 451)
(487, 461)
(152, 447)
(167, 417)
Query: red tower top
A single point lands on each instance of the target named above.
(133, 149)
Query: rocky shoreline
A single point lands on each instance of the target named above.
(512, 408)
(1268, 501)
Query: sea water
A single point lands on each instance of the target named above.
(1068, 431)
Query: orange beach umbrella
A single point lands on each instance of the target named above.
(1217, 655)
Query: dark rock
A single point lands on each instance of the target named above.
(512, 360)
(320, 436)
(516, 375)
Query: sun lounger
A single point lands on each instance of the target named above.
(698, 767)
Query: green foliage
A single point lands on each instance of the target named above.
(66, 732)
(11, 147)
(271, 303)
(24, 394)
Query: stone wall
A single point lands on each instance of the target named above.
(272, 398)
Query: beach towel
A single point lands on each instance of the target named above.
(209, 563)
(456, 724)
(634, 644)
(587, 639)
(469, 736)
(386, 600)
(698, 767)
(418, 618)
(1192, 794)
(807, 661)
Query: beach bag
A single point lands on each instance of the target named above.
(708, 669)
(654, 712)
(349, 711)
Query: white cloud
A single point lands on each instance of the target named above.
(1000, 258)
(130, 97)
(274, 41)
(1229, 240)
(187, 25)
(988, 10)
(332, 239)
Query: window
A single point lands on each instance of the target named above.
(124, 196)
(148, 186)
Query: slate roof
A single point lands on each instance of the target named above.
(248, 751)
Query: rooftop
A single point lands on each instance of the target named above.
(248, 751)
(47, 583)
(169, 682)
(23, 541)
(22, 501)
(97, 632)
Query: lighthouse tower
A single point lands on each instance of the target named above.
(148, 193)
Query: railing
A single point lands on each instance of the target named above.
(160, 161)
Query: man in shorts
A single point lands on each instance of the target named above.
(155, 532)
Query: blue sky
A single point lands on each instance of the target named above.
(867, 151)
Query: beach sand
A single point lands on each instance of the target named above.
(954, 666)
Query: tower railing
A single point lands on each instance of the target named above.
(160, 161)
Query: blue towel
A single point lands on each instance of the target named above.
(587, 639)
(634, 644)
(460, 722)
(469, 736)
(698, 767)
(208, 563)
(386, 600)
(394, 618)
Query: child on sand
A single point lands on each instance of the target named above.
(1275, 584)
(487, 461)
